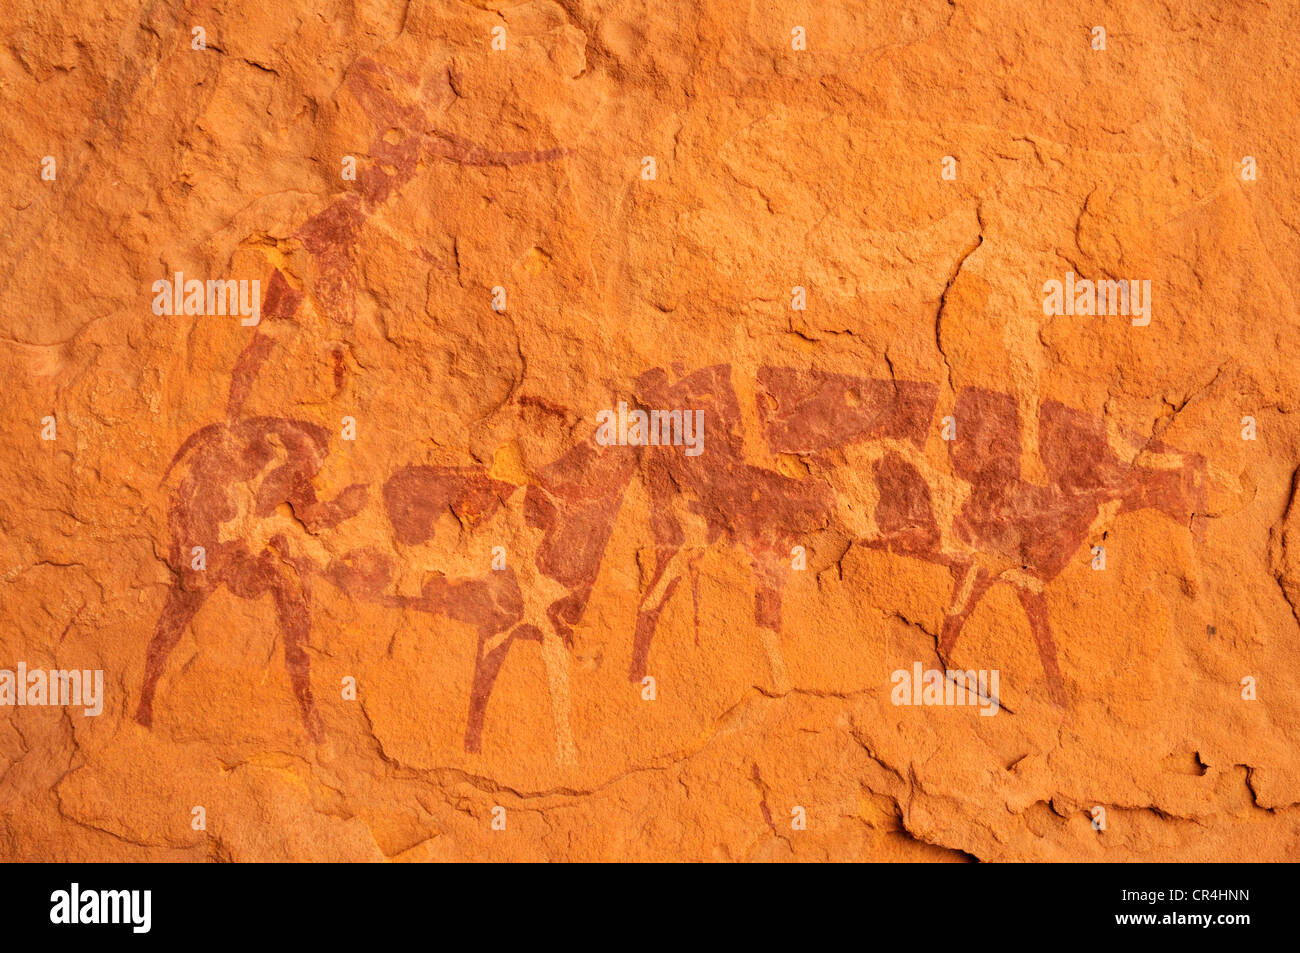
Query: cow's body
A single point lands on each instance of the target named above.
(243, 502)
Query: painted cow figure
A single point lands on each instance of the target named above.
(981, 518)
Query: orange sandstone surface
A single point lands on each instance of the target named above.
(579, 429)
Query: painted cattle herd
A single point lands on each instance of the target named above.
(244, 495)
(247, 498)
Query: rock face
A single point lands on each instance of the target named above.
(576, 430)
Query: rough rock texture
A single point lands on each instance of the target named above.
(499, 582)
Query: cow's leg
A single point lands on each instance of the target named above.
(966, 594)
(1034, 601)
(177, 611)
(494, 605)
(767, 604)
(662, 586)
(487, 663)
(669, 539)
(293, 610)
(524, 615)
(769, 575)
(692, 567)
(555, 656)
(493, 646)
(539, 597)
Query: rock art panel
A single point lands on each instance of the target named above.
(703, 431)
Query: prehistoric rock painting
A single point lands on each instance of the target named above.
(718, 496)
(1002, 528)
(249, 479)
(230, 503)
(241, 474)
(248, 487)
(371, 567)
(980, 519)
(558, 528)
(404, 138)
